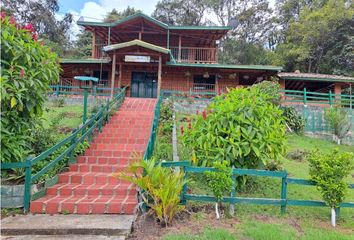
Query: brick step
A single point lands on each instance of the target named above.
(52, 204)
(120, 140)
(89, 178)
(118, 147)
(108, 129)
(130, 121)
(125, 112)
(105, 160)
(123, 126)
(107, 168)
(112, 153)
(117, 135)
(65, 189)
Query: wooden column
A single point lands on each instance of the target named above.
(159, 72)
(120, 76)
(179, 48)
(93, 53)
(113, 76)
(139, 35)
(282, 87)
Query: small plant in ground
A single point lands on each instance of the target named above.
(293, 120)
(329, 171)
(161, 188)
(220, 182)
(339, 121)
(59, 102)
(297, 155)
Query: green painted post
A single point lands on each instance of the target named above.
(233, 193)
(71, 153)
(330, 98)
(305, 96)
(337, 213)
(283, 193)
(84, 115)
(28, 184)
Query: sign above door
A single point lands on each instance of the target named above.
(133, 58)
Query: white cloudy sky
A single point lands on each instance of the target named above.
(95, 10)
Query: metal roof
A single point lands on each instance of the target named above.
(314, 77)
(227, 66)
(88, 61)
(136, 42)
(151, 19)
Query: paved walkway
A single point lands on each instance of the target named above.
(89, 187)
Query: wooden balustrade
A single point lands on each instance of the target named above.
(194, 55)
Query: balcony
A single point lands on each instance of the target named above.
(195, 55)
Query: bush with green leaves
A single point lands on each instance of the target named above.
(339, 121)
(294, 120)
(220, 182)
(329, 172)
(27, 68)
(271, 88)
(242, 127)
(162, 187)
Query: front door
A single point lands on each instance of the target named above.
(144, 85)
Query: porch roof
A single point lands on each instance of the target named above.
(297, 76)
(227, 66)
(87, 61)
(136, 42)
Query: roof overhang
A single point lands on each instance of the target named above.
(84, 61)
(138, 43)
(315, 77)
(226, 66)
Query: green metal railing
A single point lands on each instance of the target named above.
(85, 131)
(283, 201)
(306, 97)
(75, 90)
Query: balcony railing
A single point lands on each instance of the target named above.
(194, 55)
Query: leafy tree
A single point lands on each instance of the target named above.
(114, 15)
(83, 44)
(27, 68)
(41, 13)
(242, 127)
(180, 12)
(329, 171)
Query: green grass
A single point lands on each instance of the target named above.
(72, 115)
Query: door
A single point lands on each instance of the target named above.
(144, 85)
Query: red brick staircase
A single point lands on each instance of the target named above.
(89, 187)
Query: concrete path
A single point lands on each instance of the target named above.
(43, 226)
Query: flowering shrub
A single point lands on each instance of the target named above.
(242, 127)
(27, 68)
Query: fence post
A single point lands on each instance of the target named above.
(184, 189)
(233, 193)
(305, 96)
(337, 213)
(283, 192)
(71, 153)
(28, 184)
(330, 98)
(57, 90)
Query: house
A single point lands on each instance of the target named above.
(148, 56)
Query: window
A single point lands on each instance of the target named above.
(203, 83)
(103, 81)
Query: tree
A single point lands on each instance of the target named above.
(41, 13)
(180, 12)
(114, 15)
(339, 121)
(27, 68)
(83, 44)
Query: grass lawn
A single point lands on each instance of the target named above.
(69, 116)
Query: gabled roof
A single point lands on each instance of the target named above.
(153, 20)
(136, 42)
(314, 77)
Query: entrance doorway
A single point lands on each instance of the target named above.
(144, 85)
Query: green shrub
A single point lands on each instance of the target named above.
(59, 102)
(339, 121)
(27, 68)
(242, 127)
(270, 88)
(329, 171)
(297, 155)
(294, 121)
(162, 188)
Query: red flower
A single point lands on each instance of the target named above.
(12, 20)
(182, 130)
(204, 115)
(29, 27)
(34, 37)
(189, 125)
(22, 72)
(2, 15)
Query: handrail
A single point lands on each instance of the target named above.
(97, 91)
(84, 131)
